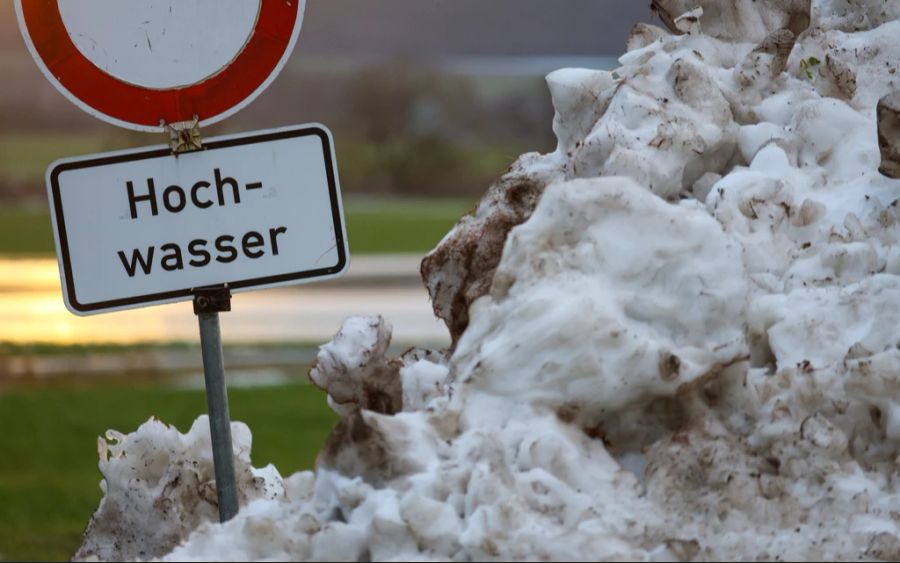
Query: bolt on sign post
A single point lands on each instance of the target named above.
(196, 219)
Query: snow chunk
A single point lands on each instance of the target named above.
(461, 268)
(354, 371)
(607, 296)
(738, 20)
(159, 486)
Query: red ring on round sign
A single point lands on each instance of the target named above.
(141, 108)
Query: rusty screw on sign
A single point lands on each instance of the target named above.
(185, 136)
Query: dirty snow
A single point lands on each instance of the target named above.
(675, 338)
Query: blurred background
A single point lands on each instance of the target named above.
(429, 102)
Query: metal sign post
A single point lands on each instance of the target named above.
(208, 303)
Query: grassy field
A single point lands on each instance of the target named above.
(25, 231)
(374, 226)
(48, 459)
(25, 157)
(377, 226)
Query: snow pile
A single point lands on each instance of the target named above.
(675, 338)
(622, 331)
(159, 485)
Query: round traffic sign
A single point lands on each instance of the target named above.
(143, 65)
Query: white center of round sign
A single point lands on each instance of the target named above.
(160, 44)
(145, 64)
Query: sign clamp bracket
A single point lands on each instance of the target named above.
(208, 303)
(184, 136)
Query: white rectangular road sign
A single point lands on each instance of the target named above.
(142, 227)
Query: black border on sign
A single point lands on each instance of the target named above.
(305, 131)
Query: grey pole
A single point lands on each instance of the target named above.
(207, 305)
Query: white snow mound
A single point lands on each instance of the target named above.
(675, 338)
(636, 312)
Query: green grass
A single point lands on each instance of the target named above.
(374, 226)
(379, 226)
(24, 157)
(48, 459)
(25, 231)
